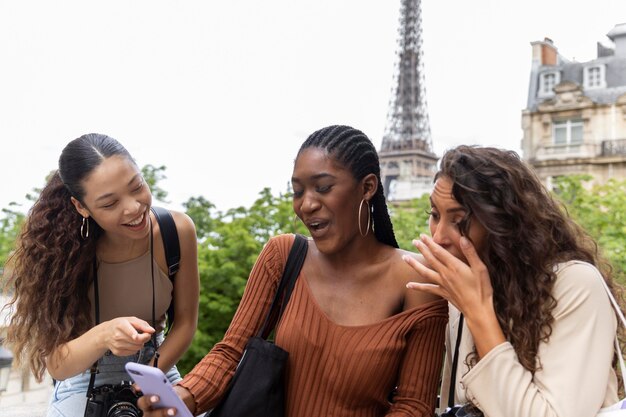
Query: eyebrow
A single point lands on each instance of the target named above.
(450, 210)
(107, 195)
(315, 177)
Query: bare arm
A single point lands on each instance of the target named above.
(122, 336)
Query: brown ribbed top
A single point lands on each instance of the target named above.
(333, 370)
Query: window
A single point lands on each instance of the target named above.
(593, 77)
(547, 81)
(568, 132)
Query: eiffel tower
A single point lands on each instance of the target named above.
(406, 156)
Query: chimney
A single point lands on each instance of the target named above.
(544, 52)
(618, 36)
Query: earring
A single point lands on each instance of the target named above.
(369, 217)
(84, 228)
(295, 222)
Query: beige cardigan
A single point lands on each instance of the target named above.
(575, 379)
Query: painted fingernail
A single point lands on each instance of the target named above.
(154, 399)
(171, 412)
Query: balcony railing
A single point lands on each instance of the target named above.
(605, 148)
(613, 147)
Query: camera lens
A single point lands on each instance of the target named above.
(123, 409)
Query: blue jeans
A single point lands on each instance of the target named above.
(69, 397)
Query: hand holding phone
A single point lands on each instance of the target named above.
(151, 381)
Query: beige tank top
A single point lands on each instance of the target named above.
(125, 289)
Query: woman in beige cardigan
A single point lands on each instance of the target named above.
(524, 281)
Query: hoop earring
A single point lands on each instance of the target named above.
(84, 228)
(294, 223)
(369, 217)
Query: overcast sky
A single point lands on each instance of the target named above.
(224, 92)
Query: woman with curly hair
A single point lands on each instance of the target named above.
(90, 277)
(524, 284)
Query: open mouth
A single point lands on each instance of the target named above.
(138, 222)
(316, 225)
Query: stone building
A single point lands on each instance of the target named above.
(575, 118)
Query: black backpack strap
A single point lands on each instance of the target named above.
(171, 244)
(294, 263)
(170, 239)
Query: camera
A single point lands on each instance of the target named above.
(462, 411)
(113, 401)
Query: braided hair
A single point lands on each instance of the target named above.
(355, 151)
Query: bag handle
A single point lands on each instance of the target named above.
(618, 310)
(294, 263)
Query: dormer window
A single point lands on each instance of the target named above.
(547, 82)
(593, 77)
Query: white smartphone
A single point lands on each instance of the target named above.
(152, 380)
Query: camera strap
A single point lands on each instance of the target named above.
(455, 363)
(94, 368)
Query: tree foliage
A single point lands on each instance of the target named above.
(10, 226)
(601, 210)
(228, 245)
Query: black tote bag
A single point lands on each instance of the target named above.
(258, 386)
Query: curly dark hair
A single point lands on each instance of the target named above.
(528, 233)
(50, 270)
(354, 150)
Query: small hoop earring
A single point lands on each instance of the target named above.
(369, 217)
(84, 228)
(295, 222)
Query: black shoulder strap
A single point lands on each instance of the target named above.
(169, 234)
(294, 263)
(455, 363)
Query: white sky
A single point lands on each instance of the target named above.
(224, 92)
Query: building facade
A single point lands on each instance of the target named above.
(575, 119)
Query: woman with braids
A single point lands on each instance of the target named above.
(525, 287)
(360, 344)
(90, 279)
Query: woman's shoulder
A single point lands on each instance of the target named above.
(579, 273)
(182, 221)
(578, 283)
(403, 268)
(278, 247)
(405, 274)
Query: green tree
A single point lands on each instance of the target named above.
(410, 219)
(601, 211)
(10, 226)
(229, 244)
(153, 175)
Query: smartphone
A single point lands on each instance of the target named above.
(152, 380)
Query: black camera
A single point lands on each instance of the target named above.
(113, 401)
(462, 411)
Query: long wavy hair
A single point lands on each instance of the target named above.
(50, 270)
(528, 233)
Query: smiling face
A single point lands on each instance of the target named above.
(326, 197)
(117, 198)
(445, 218)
